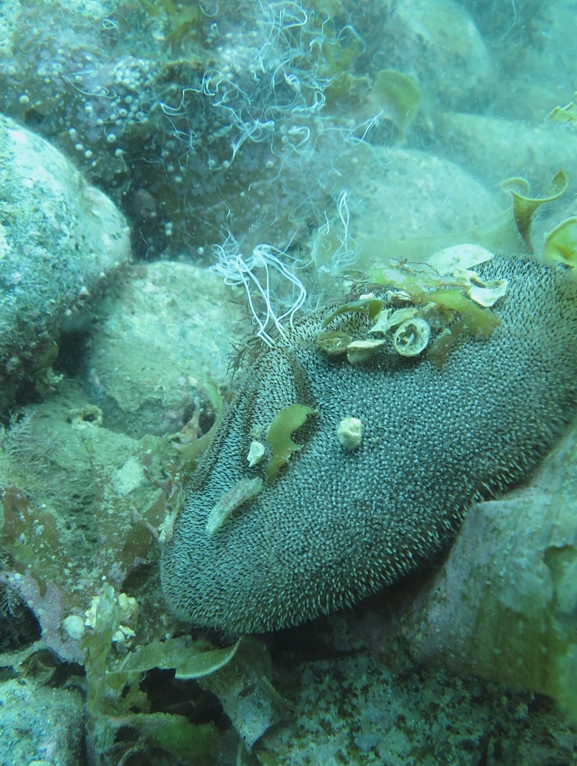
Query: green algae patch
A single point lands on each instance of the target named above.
(444, 300)
(421, 285)
(114, 697)
(396, 97)
(524, 207)
(477, 320)
(193, 745)
(566, 114)
(280, 432)
(561, 243)
(371, 306)
(189, 660)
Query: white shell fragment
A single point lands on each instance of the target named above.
(388, 318)
(382, 321)
(255, 453)
(488, 294)
(402, 315)
(412, 337)
(349, 433)
(459, 257)
(243, 490)
(360, 351)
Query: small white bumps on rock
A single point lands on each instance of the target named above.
(350, 432)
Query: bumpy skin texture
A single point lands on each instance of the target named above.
(335, 525)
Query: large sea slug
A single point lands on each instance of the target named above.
(330, 525)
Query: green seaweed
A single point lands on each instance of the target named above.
(478, 321)
(279, 435)
(396, 97)
(566, 114)
(187, 658)
(445, 342)
(371, 306)
(115, 699)
(193, 745)
(524, 207)
(561, 243)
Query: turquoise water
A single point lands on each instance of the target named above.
(184, 189)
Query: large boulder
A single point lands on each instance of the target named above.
(60, 241)
(157, 338)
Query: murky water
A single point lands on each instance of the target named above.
(220, 223)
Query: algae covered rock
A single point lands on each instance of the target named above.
(348, 708)
(504, 605)
(60, 240)
(40, 725)
(333, 525)
(166, 328)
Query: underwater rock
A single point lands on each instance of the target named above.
(399, 194)
(332, 525)
(60, 240)
(438, 44)
(349, 709)
(504, 605)
(161, 332)
(517, 147)
(40, 725)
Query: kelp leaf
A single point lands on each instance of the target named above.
(193, 745)
(158, 654)
(279, 435)
(566, 114)
(524, 206)
(479, 321)
(372, 306)
(396, 97)
(204, 663)
(188, 659)
(561, 243)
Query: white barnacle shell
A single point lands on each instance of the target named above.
(255, 453)
(360, 351)
(349, 433)
(412, 337)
